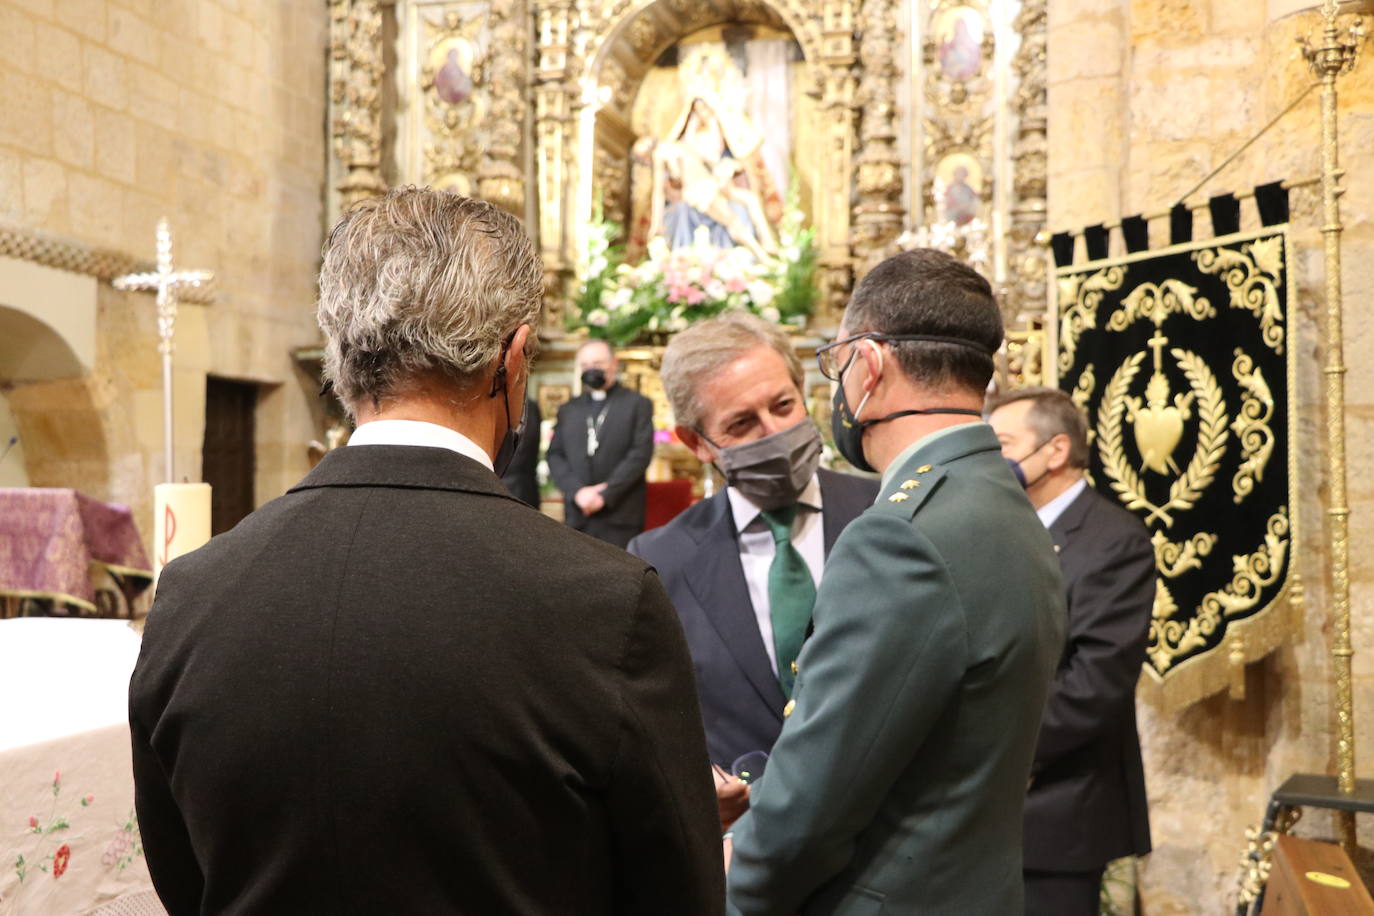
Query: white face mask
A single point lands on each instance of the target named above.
(772, 472)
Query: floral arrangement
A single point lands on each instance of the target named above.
(672, 288)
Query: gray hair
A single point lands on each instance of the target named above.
(418, 281)
(1052, 413)
(703, 349)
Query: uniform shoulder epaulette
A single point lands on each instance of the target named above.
(907, 491)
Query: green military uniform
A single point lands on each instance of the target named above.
(898, 781)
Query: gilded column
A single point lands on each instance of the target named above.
(878, 213)
(501, 179)
(552, 113)
(837, 103)
(356, 70)
(1027, 295)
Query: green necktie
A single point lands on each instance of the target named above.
(791, 595)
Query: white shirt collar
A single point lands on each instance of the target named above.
(745, 512)
(1049, 513)
(417, 432)
(598, 394)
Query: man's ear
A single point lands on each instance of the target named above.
(516, 361)
(1059, 452)
(873, 359)
(697, 445)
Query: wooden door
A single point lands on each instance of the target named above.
(228, 452)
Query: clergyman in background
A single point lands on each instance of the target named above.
(898, 781)
(602, 444)
(397, 689)
(742, 567)
(1086, 804)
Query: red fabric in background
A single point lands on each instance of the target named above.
(665, 500)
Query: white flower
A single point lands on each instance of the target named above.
(658, 248)
(597, 266)
(701, 237)
(762, 292)
(771, 314)
(791, 253)
(677, 324)
(715, 290)
(619, 298)
(598, 318)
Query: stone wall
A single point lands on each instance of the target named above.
(1146, 97)
(210, 112)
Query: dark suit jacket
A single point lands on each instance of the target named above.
(396, 689)
(626, 448)
(1087, 804)
(697, 554)
(897, 783)
(522, 477)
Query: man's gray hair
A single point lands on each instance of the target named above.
(1052, 413)
(419, 281)
(696, 354)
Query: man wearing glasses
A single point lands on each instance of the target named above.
(898, 780)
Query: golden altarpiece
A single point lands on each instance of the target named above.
(891, 122)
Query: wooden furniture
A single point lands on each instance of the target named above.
(1314, 879)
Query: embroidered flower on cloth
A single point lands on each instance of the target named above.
(60, 860)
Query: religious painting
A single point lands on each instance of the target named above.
(1183, 360)
(958, 188)
(714, 154)
(451, 75)
(958, 34)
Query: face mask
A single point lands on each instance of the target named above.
(848, 429)
(594, 378)
(772, 472)
(1019, 472)
(511, 440)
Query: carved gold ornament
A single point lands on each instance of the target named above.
(1251, 426)
(1083, 296)
(1157, 429)
(1251, 282)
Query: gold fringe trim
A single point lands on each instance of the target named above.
(1253, 637)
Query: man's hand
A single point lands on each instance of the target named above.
(589, 499)
(732, 797)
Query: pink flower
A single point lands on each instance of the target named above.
(56, 779)
(87, 800)
(736, 284)
(60, 859)
(33, 822)
(695, 295)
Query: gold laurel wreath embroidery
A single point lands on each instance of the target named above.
(1212, 434)
(1251, 426)
(1173, 559)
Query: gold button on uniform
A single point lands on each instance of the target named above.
(794, 669)
(787, 710)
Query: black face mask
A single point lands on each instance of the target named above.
(1020, 473)
(511, 440)
(594, 378)
(848, 429)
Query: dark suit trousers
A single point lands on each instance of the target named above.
(1069, 893)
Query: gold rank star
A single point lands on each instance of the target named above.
(910, 484)
(898, 497)
(923, 469)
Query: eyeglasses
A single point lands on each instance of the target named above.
(828, 356)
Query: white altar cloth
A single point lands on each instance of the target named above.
(68, 838)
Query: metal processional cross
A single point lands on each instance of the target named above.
(170, 286)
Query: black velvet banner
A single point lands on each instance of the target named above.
(1182, 360)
